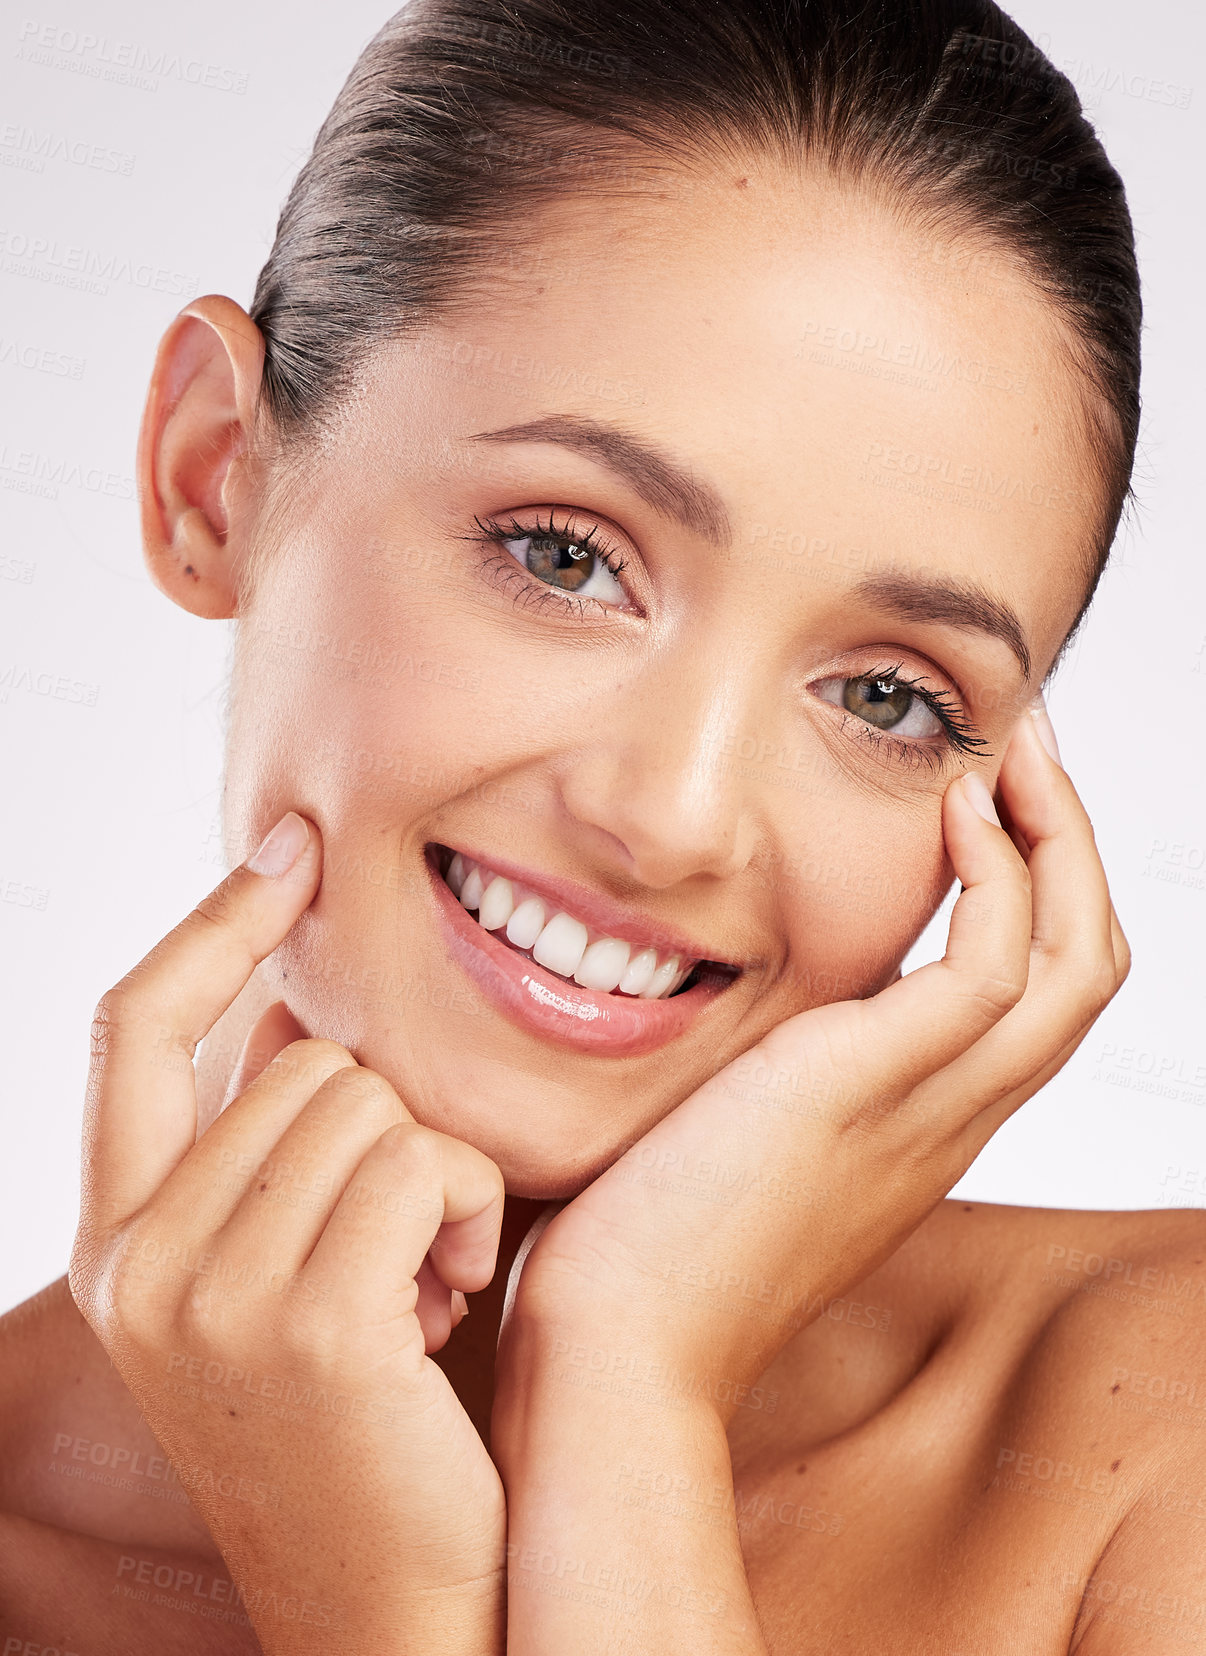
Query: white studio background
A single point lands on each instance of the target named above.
(111, 786)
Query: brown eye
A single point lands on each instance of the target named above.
(884, 703)
(881, 702)
(567, 565)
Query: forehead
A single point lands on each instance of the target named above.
(843, 377)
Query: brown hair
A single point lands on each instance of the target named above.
(458, 114)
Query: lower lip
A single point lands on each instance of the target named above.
(554, 1008)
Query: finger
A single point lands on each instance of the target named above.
(141, 1103)
(291, 1194)
(1075, 957)
(241, 1147)
(1121, 948)
(1072, 906)
(438, 1308)
(272, 1031)
(434, 1307)
(981, 1129)
(923, 1021)
(978, 1132)
(975, 1134)
(415, 1192)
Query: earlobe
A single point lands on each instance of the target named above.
(196, 454)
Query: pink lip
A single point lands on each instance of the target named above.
(537, 1000)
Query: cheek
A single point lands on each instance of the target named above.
(362, 697)
(859, 904)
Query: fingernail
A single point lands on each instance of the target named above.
(283, 846)
(1045, 729)
(460, 1305)
(979, 798)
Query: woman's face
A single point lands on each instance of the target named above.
(823, 451)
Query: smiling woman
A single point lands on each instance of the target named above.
(670, 446)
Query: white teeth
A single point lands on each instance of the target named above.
(560, 942)
(661, 980)
(602, 966)
(497, 904)
(527, 923)
(640, 969)
(471, 892)
(561, 945)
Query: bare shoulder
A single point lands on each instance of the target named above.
(1119, 1298)
(1028, 1405)
(1107, 1311)
(36, 1338)
(1109, 1406)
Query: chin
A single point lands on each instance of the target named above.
(548, 1165)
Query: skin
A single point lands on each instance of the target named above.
(531, 735)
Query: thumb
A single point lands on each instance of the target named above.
(272, 1031)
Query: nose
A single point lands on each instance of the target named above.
(653, 788)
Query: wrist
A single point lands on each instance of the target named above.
(576, 1357)
(553, 1377)
(467, 1620)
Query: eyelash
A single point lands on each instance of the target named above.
(959, 734)
(530, 590)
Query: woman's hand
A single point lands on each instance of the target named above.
(270, 1293)
(793, 1172)
(645, 1305)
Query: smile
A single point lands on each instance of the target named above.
(553, 968)
(566, 945)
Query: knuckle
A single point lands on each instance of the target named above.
(217, 907)
(995, 994)
(113, 1013)
(307, 1332)
(312, 1058)
(199, 1324)
(1101, 985)
(83, 1277)
(416, 1147)
(123, 1012)
(404, 1173)
(369, 1093)
(493, 1176)
(126, 1304)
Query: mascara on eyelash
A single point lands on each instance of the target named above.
(495, 531)
(961, 733)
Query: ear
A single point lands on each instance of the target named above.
(195, 484)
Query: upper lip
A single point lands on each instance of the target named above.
(613, 919)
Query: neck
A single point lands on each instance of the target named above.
(467, 1360)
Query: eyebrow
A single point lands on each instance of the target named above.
(670, 488)
(659, 481)
(943, 599)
